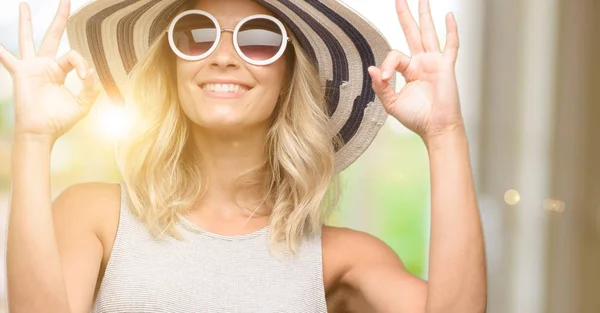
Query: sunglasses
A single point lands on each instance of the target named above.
(258, 39)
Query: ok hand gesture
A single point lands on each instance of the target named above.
(44, 107)
(428, 104)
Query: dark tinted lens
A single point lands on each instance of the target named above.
(194, 34)
(260, 39)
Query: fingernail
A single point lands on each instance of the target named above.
(386, 75)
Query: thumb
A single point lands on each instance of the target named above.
(90, 91)
(385, 92)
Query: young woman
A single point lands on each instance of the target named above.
(245, 111)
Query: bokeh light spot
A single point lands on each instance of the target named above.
(554, 205)
(512, 197)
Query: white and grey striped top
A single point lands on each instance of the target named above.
(207, 272)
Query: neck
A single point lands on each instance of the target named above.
(226, 156)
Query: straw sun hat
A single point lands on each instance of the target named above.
(112, 35)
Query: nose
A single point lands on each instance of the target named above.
(225, 55)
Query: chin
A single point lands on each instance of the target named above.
(228, 114)
(231, 123)
(221, 122)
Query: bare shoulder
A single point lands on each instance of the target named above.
(86, 217)
(354, 246)
(349, 256)
(94, 205)
(367, 274)
(357, 246)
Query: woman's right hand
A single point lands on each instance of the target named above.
(44, 107)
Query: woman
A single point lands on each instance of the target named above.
(227, 174)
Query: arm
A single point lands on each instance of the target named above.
(32, 261)
(53, 251)
(429, 105)
(457, 273)
(457, 268)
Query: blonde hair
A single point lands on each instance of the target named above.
(164, 177)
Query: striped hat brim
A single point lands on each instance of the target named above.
(112, 35)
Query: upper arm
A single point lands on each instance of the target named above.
(78, 213)
(376, 275)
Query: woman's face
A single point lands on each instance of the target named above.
(261, 85)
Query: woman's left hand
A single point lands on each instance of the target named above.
(428, 104)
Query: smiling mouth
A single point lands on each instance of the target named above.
(225, 88)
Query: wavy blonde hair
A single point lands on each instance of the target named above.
(158, 162)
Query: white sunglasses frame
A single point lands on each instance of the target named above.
(235, 31)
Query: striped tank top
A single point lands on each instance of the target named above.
(207, 272)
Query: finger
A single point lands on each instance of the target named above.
(25, 33)
(385, 92)
(451, 49)
(428, 33)
(395, 61)
(8, 59)
(90, 91)
(73, 60)
(57, 28)
(409, 26)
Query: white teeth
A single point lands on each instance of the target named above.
(234, 88)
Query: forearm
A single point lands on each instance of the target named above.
(457, 271)
(34, 275)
